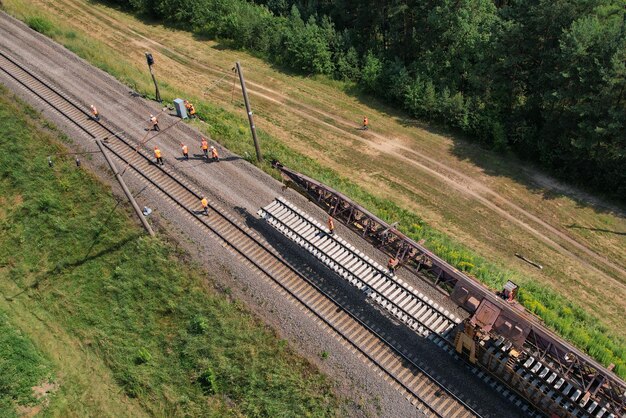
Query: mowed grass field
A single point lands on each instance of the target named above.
(110, 321)
(474, 208)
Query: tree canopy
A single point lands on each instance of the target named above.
(544, 78)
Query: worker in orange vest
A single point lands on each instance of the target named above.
(205, 205)
(95, 113)
(157, 154)
(155, 123)
(191, 109)
(366, 123)
(214, 155)
(205, 148)
(331, 225)
(185, 151)
(392, 265)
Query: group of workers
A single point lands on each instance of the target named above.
(158, 154)
(204, 145)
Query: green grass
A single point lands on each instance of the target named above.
(40, 24)
(22, 367)
(171, 342)
(559, 313)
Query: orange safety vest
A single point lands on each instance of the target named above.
(184, 149)
(365, 122)
(204, 202)
(214, 153)
(331, 224)
(94, 110)
(154, 120)
(157, 153)
(192, 110)
(205, 145)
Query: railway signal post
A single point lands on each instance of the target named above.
(150, 61)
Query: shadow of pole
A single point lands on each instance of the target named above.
(574, 226)
(70, 266)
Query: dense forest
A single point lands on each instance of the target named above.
(544, 78)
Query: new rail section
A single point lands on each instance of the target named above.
(500, 337)
(422, 388)
(417, 311)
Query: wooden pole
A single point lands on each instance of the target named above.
(259, 157)
(130, 197)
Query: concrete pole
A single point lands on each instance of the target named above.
(156, 86)
(130, 197)
(259, 157)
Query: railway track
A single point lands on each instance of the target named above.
(400, 300)
(422, 389)
(417, 311)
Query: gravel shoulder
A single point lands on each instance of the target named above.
(240, 188)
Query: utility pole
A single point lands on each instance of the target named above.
(150, 61)
(130, 197)
(259, 157)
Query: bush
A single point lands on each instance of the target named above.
(143, 356)
(348, 65)
(371, 72)
(40, 24)
(199, 325)
(208, 382)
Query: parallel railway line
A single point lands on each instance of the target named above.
(424, 390)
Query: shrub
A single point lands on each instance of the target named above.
(143, 356)
(348, 65)
(199, 325)
(208, 381)
(40, 24)
(371, 72)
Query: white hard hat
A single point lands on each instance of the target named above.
(151, 116)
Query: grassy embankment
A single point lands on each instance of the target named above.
(120, 309)
(559, 313)
(22, 367)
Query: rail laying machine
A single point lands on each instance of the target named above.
(499, 335)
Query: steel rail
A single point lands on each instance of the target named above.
(389, 279)
(244, 252)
